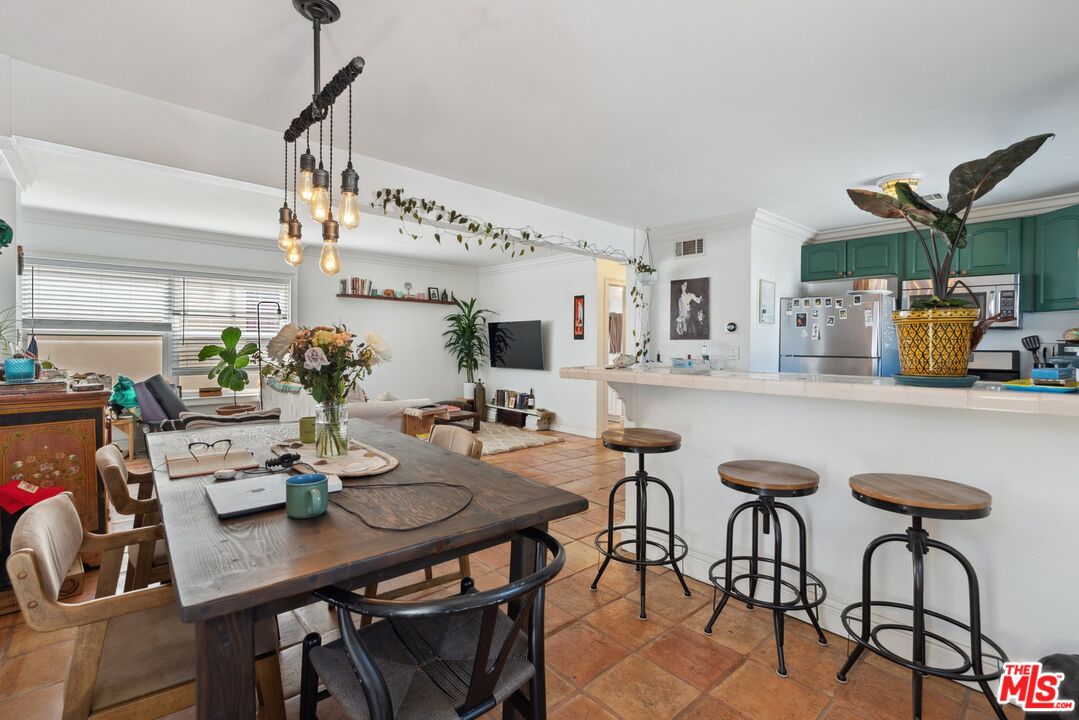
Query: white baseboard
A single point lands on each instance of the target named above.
(574, 429)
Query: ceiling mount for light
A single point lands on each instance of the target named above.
(322, 11)
(888, 182)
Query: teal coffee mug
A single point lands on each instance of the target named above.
(306, 496)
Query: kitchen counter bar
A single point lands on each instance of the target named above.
(983, 396)
(1019, 447)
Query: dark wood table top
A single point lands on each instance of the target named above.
(768, 475)
(223, 566)
(919, 491)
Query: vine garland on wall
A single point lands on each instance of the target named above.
(467, 230)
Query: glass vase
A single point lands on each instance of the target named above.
(331, 430)
(19, 369)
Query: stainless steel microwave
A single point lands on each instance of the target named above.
(992, 293)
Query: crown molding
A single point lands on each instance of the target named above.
(697, 228)
(768, 220)
(535, 264)
(16, 166)
(1021, 208)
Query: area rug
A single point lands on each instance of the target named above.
(498, 438)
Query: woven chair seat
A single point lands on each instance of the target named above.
(426, 662)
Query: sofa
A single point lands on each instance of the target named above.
(384, 412)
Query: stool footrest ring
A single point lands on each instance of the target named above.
(719, 580)
(670, 554)
(962, 673)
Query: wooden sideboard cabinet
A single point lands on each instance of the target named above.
(50, 439)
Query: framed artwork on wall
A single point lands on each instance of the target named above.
(766, 302)
(690, 309)
(578, 317)
(432, 293)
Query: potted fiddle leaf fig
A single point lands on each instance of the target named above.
(230, 371)
(938, 333)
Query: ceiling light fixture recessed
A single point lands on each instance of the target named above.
(888, 182)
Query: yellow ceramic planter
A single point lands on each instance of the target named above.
(935, 341)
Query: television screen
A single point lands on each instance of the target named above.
(516, 345)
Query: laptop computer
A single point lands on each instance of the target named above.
(233, 498)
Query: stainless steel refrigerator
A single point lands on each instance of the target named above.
(840, 334)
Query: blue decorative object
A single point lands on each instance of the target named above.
(19, 370)
(1029, 386)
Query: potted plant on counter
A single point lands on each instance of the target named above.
(230, 371)
(466, 340)
(938, 333)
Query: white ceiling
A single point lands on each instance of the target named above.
(79, 181)
(633, 111)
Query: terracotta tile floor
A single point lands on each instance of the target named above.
(603, 663)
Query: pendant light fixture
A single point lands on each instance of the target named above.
(313, 185)
(348, 211)
(329, 260)
(284, 215)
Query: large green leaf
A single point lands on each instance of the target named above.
(915, 206)
(210, 351)
(230, 336)
(879, 204)
(971, 180)
(953, 228)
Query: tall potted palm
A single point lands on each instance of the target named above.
(466, 340)
(937, 334)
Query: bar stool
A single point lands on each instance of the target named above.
(642, 441)
(922, 497)
(768, 480)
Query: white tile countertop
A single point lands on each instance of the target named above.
(983, 396)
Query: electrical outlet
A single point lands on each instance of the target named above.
(733, 353)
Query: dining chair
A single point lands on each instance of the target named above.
(461, 441)
(454, 658)
(133, 657)
(148, 562)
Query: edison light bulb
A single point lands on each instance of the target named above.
(348, 211)
(330, 260)
(294, 252)
(320, 204)
(285, 215)
(307, 177)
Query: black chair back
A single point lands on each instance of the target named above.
(526, 593)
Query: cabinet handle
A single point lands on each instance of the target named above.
(840, 274)
(963, 272)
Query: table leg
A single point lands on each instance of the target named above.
(225, 673)
(522, 564)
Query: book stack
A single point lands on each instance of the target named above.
(361, 286)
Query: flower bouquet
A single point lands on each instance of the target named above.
(326, 361)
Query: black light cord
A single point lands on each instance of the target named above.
(294, 165)
(371, 525)
(331, 161)
(285, 187)
(350, 124)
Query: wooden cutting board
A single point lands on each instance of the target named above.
(182, 465)
(361, 460)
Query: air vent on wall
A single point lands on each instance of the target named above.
(689, 247)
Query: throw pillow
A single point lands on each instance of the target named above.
(387, 397)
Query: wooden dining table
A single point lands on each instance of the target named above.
(230, 574)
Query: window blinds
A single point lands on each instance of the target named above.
(190, 309)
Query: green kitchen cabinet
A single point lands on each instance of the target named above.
(915, 263)
(824, 261)
(1056, 260)
(993, 248)
(873, 256)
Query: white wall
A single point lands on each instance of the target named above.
(9, 194)
(420, 367)
(543, 290)
(776, 255)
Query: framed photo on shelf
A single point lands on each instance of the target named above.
(432, 293)
(578, 317)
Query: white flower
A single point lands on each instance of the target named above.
(278, 346)
(315, 359)
(379, 349)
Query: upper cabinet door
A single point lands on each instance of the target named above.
(1056, 260)
(873, 256)
(824, 261)
(993, 248)
(915, 264)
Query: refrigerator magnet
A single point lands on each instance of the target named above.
(816, 331)
(831, 320)
(816, 302)
(788, 307)
(868, 318)
(816, 313)
(839, 302)
(800, 320)
(827, 302)
(856, 300)
(842, 314)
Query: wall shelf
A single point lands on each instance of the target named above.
(395, 299)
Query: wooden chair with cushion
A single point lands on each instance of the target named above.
(133, 657)
(149, 562)
(455, 439)
(454, 658)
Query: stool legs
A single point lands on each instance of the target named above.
(641, 479)
(918, 542)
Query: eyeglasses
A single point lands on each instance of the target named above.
(207, 448)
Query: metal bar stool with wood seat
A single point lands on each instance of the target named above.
(768, 480)
(922, 497)
(642, 441)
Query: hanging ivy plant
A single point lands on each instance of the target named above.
(453, 225)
